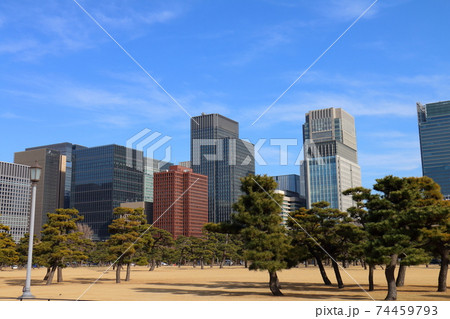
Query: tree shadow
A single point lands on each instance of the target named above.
(245, 289)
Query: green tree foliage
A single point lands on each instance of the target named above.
(61, 244)
(202, 250)
(183, 250)
(430, 221)
(326, 232)
(393, 223)
(124, 244)
(158, 247)
(22, 249)
(100, 254)
(8, 253)
(265, 241)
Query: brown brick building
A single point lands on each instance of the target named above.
(180, 201)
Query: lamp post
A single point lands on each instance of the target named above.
(35, 174)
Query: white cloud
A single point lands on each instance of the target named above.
(9, 116)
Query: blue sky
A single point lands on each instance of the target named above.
(63, 79)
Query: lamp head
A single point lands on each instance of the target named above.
(35, 172)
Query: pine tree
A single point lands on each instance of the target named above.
(61, 243)
(8, 253)
(392, 223)
(183, 250)
(22, 249)
(330, 233)
(125, 241)
(258, 215)
(158, 245)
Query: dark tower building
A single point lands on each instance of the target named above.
(434, 132)
(102, 180)
(217, 152)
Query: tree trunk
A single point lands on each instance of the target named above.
(338, 274)
(152, 265)
(323, 273)
(274, 284)
(127, 278)
(118, 273)
(202, 266)
(50, 275)
(212, 263)
(390, 278)
(246, 264)
(59, 275)
(371, 269)
(442, 285)
(401, 276)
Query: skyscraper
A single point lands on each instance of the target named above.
(330, 157)
(290, 182)
(50, 189)
(152, 166)
(15, 198)
(64, 149)
(181, 201)
(102, 180)
(434, 133)
(217, 152)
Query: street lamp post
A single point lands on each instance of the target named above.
(35, 174)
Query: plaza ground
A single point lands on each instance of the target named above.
(227, 284)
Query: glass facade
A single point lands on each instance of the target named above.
(217, 152)
(434, 132)
(101, 181)
(15, 198)
(289, 182)
(330, 163)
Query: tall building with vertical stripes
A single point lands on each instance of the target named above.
(330, 157)
(15, 198)
(219, 153)
(180, 201)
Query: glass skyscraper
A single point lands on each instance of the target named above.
(217, 152)
(434, 132)
(102, 180)
(15, 198)
(290, 182)
(330, 163)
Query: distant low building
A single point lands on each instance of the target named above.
(180, 201)
(185, 164)
(15, 198)
(291, 202)
(147, 206)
